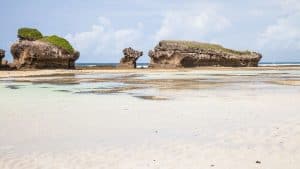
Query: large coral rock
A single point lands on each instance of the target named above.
(174, 54)
(130, 58)
(41, 55)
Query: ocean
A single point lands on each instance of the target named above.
(139, 65)
(145, 65)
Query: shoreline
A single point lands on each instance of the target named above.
(87, 70)
(205, 117)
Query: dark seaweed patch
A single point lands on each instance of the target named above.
(65, 91)
(14, 87)
(152, 98)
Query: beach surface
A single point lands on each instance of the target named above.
(223, 118)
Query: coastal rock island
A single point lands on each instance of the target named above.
(35, 51)
(176, 54)
(130, 58)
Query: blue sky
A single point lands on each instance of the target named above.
(100, 29)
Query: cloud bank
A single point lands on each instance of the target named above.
(284, 34)
(103, 40)
(272, 28)
(196, 23)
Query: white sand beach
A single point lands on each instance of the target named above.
(169, 119)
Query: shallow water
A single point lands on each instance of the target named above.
(183, 119)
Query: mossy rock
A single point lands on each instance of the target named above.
(29, 34)
(205, 46)
(59, 42)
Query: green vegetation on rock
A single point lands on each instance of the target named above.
(29, 34)
(201, 45)
(59, 42)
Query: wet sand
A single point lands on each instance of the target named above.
(187, 118)
(55, 72)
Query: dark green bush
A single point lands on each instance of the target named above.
(29, 34)
(59, 42)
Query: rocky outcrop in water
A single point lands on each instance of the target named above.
(3, 63)
(177, 54)
(35, 51)
(130, 58)
(2, 55)
(41, 55)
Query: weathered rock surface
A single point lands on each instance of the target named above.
(176, 54)
(41, 55)
(2, 55)
(3, 63)
(130, 58)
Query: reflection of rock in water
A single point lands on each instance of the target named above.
(110, 90)
(57, 75)
(152, 97)
(14, 87)
(64, 91)
(59, 81)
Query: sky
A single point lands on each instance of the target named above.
(100, 29)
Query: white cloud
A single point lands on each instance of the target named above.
(285, 32)
(194, 23)
(103, 42)
(290, 5)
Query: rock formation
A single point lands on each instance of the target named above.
(176, 54)
(4, 65)
(41, 55)
(2, 54)
(37, 52)
(130, 58)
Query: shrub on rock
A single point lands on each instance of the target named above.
(59, 42)
(29, 34)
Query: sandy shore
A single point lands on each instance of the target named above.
(148, 119)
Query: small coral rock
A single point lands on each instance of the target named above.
(2, 54)
(130, 58)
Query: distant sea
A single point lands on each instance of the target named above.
(139, 65)
(279, 64)
(145, 65)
